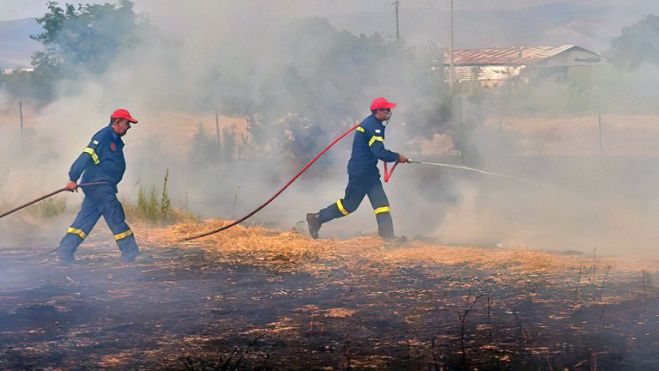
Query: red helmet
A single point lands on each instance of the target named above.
(381, 102)
(123, 114)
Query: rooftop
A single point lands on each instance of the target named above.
(511, 55)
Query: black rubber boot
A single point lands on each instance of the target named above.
(129, 256)
(65, 258)
(314, 224)
(385, 225)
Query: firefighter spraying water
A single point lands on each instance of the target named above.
(363, 174)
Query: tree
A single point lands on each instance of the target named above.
(326, 77)
(204, 149)
(638, 43)
(88, 37)
(228, 145)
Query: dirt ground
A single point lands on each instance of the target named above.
(253, 298)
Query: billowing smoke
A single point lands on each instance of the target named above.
(591, 141)
(285, 84)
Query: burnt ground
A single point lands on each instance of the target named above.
(196, 309)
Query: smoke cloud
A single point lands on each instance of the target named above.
(285, 83)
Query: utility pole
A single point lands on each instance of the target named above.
(599, 117)
(396, 5)
(20, 114)
(217, 128)
(451, 69)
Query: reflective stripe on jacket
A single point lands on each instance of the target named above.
(102, 160)
(368, 147)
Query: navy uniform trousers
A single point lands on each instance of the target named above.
(99, 200)
(367, 184)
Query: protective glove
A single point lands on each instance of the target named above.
(72, 186)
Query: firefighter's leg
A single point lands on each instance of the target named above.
(380, 204)
(115, 217)
(355, 192)
(81, 227)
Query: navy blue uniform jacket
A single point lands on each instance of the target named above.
(102, 160)
(368, 148)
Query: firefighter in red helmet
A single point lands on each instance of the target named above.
(363, 174)
(101, 162)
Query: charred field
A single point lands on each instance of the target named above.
(254, 298)
(535, 144)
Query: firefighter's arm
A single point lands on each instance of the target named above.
(89, 156)
(376, 144)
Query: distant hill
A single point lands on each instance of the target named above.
(16, 47)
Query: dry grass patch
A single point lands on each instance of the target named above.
(293, 249)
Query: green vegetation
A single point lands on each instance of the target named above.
(318, 80)
(154, 205)
(86, 37)
(48, 208)
(89, 35)
(148, 205)
(322, 77)
(165, 203)
(638, 44)
(204, 149)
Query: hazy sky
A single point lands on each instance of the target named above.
(17, 9)
(588, 23)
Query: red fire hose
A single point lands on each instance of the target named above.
(51, 194)
(387, 173)
(387, 176)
